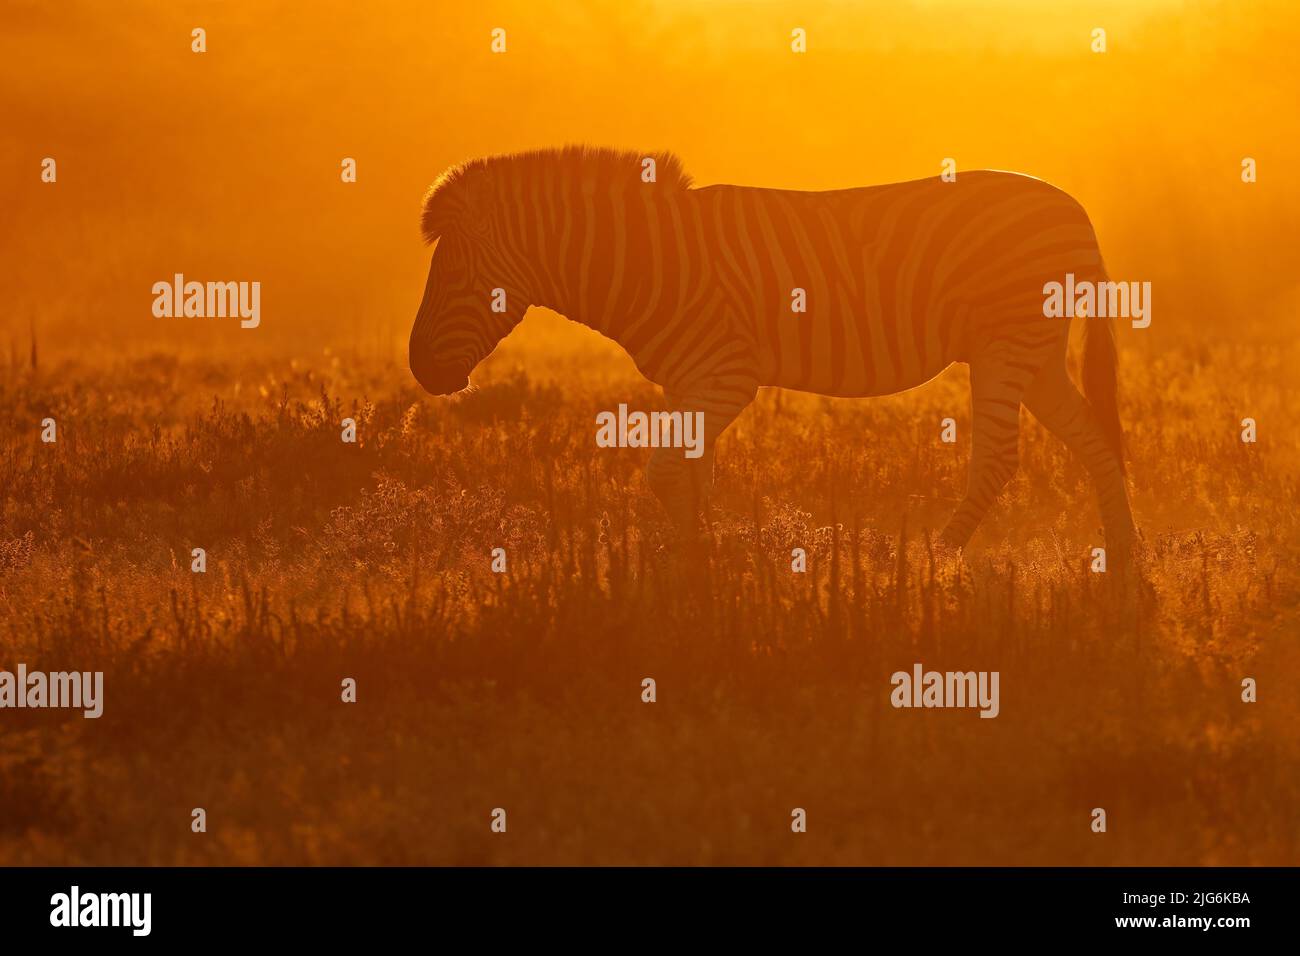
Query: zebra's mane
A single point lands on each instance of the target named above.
(588, 165)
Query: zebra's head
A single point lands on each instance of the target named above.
(470, 303)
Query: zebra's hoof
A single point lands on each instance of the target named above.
(945, 551)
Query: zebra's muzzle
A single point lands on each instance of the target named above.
(438, 379)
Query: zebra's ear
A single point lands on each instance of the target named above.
(477, 195)
(458, 202)
(433, 219)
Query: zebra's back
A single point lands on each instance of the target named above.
(898, 281)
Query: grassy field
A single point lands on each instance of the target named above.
(523, 690)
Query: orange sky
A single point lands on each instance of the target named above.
(225, 165)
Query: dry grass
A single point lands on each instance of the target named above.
(523, 691)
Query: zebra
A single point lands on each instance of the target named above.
(899, 281)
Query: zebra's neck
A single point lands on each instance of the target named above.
(589, 253)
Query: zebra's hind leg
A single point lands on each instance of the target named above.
(1057, 404)
(998, 380)
(681, 483)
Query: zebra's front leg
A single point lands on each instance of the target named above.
(682, 478)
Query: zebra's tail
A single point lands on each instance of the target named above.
(1101, 378)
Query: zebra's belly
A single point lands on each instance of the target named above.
(861, 387)
(849, 367)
